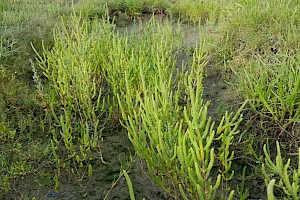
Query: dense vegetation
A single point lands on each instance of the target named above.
(72, 73)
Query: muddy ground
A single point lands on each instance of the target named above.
(102, 184)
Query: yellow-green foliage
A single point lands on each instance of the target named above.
(129, 183)
(164, 114)
(259, 42)
(186, 10)
(171, 131)
(90, 8)
(160, 102)
(197, 11)
(274, 92)
(287, 176)
(147, 49)
(253, 27)
(73, 67)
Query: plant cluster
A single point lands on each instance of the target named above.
(23, 122)
(78, 99)
(164, 114)
(96, 77)
(192, 11)
(273, 91)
